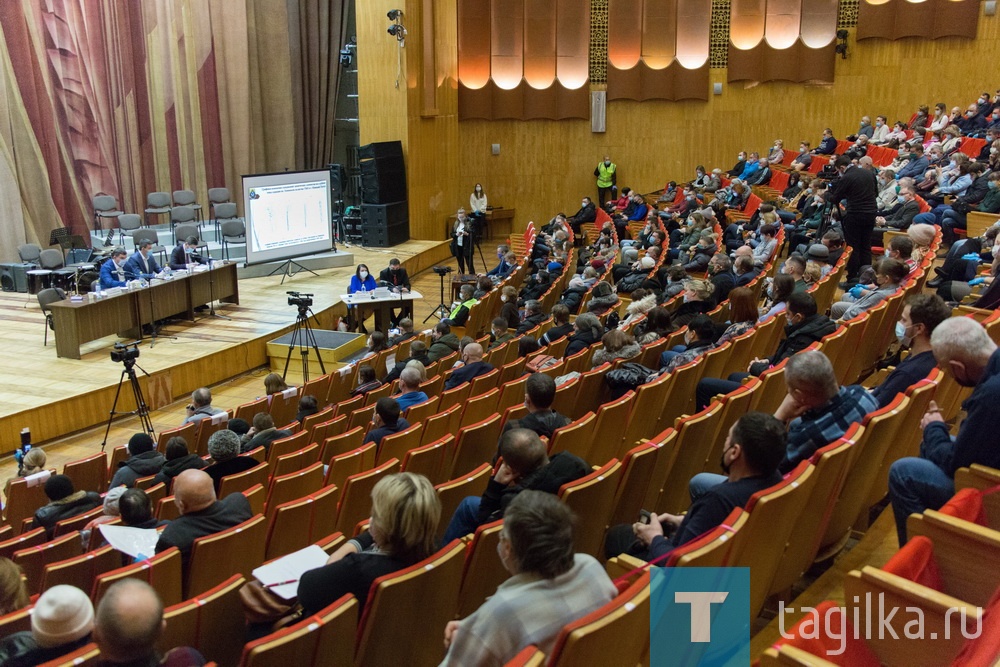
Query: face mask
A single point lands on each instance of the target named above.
(878, 123)
(901, 199)
(700, 174)
(607, 163)
(503, 297)
(687, 298)
(992, 185)
(722, 462)
(363, 274)
(901, 334)
(995, 116)
(782, 269)
(770, 293)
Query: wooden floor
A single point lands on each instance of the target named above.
(55, 396)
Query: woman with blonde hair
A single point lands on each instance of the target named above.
(13, 592)
(33, 462)
(404, 520)
(413, 363)
(922, 236)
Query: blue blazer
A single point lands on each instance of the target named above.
(109, 275)
(134, 265)
(356, 284)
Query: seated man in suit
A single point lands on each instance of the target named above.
(473, 366)
(201, 513)
(184, 254)
(396, 278)
(142, 264)
(113, 271)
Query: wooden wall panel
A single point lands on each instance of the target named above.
(547, 166)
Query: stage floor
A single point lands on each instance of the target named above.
(55, 396)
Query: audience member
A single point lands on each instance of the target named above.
(720, 270)
(200, 406)
(753, 448)
(539, 393)
(405, 332)
(963, 348)
(777, 294)
(136, 510)
(404, 520)
(31, 463)
(61, 622)
(274, 384)
(602, 298)
(143, 461)
(128, 625)
(533, 316)
(367, 381)
(527, 345)
(443, 342)
(587, 331)
(111, 513)
(13, 592)
(561, 326)
(307, 406)
(200, 513)
(616, 345)
(888, 276)
(224, 448)
(240, 427)
(418, 352)
(499, 333)
(178, 459)
(472, 366)
(509, 311)
(921, 315)
(263, 433)
(659, 323)
(385, 421)
(460, 313)
(550, 586)
(525, 465)
(697, 301)
(698, 339)
(64, 502)
(409, 388)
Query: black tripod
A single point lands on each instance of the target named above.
(142, 410)
(476, 236)
(286, 270)
(441, 310)
(303, 336)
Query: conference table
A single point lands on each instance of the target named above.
(382, 301)
(80, 321)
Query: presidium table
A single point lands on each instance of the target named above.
(79, 322)
(382, 301)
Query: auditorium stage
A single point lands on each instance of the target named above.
(56, 396)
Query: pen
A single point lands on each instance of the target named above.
(280, 583)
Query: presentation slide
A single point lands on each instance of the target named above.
(287, 215)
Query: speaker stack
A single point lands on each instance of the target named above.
(385, 219)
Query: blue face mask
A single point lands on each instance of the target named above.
(901, 334)
(901, 199)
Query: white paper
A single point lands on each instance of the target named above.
(290, 568)
(132, 541)
(38, 478)
(390, 362)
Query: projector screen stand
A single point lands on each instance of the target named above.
(286, 270)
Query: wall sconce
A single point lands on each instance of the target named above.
(397, 29)
(842, 43)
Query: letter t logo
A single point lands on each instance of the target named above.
(701, 612)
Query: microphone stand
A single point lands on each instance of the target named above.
(152, 319)
(211, 293)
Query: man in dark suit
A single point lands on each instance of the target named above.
(745, 271)
(201, 513)
(184, 254)
(142, 264)
(720, 267)
(473, 366)
(858, 189)
(396, 278)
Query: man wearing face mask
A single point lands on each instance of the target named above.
(965, 350)
(607, 180)
(903, 215)
(113, 271)
(921, 315)
(917, 164)
(856, 187)
(741, 164)
(889, 273)
(396, 278)
(753, 448)
(587, 213)
(803, 159)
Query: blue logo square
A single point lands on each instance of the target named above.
(699, 616)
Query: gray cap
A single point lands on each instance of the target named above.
(818, 251)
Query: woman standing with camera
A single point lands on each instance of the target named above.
(461, 241)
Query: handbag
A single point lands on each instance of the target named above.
(540, 362)
(629, 375)
(262, 606)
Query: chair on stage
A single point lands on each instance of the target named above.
(105, 208)
(153, 237)
(231, 231)
(187, 198)
(157, 203)
(128, 224)
(46, 297)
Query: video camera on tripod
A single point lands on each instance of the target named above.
(125, 353)
(442, 270)
(301, 300)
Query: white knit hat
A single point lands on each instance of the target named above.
(63, 614)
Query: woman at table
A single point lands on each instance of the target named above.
(361, 281)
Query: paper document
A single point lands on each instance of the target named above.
(132, 541)
(288, 569)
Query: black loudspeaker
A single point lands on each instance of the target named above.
(383, 174)
(384, 225)
(338, 179)
(14, 277)
(380, 150)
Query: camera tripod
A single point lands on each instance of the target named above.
(441, 310)
(142, 410)
(303, 336)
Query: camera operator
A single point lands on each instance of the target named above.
(857, 187)
(396, 278)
